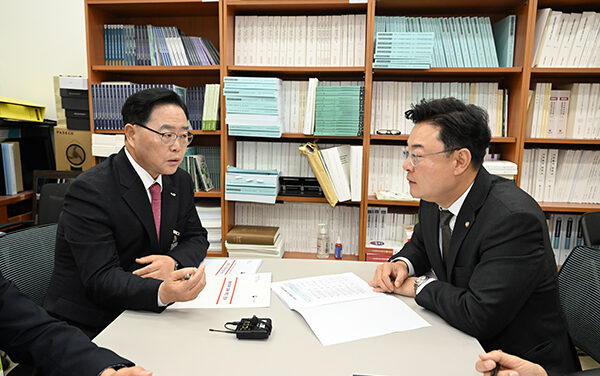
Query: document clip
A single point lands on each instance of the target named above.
(253, 328)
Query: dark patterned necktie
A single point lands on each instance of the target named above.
(445, 217)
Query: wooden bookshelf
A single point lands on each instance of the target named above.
(216, 21)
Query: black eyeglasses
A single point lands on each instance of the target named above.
(169, 138)
(414, 158)
(394, 132)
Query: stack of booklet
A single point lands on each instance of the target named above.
(403, 50)
(254, 106)
(339, 110)
(254, 241)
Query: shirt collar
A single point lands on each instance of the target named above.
(147, 180)
(455, 207)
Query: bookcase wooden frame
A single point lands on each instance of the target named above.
(216, 21)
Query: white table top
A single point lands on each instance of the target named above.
(177, 342)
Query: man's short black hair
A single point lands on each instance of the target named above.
(139, 106)
(461, 125)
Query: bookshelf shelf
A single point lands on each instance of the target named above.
(296, 6)
(572, 73)
(167, 70)
(301, 136)
(205, 133)
(109, 131)
(374, 201)
(312, 199)
(565, 207)
(404, 138)
(567, 141)
(454, 72)
(213, 193)
(353, 72)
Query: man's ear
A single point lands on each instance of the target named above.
(462, 160)
(129, 130)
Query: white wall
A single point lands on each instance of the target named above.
(40, 39)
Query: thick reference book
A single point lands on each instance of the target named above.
(246, 234)
(504, 36)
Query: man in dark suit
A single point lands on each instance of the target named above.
(129, 236)
(485, 239)
(28, 334)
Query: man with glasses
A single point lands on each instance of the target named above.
(129, 236)
(480, 256)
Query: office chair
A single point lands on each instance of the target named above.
(590, 226)
(52, 187)
(27, 259)
(579, 292)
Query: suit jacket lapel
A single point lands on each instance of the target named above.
(134, 194)
(168, 217)
(467, 216)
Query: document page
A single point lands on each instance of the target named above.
(228, 266)
(342, 307)
(232, 291)
(325, 289)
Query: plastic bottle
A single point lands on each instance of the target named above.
(323, 241)
(338, 248)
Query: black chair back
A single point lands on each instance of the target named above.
(27, 259)
(579, 291)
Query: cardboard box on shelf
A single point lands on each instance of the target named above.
(73, 149)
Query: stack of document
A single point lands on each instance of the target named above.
(505, 169)
(231, 284)
(335, 307)
(254, 241)
(210, 217)
(251, 185)
(254, 107)
(339, 110)
(403, 50)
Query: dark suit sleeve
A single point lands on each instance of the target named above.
(28, 334)
(88, 231)
(193, 243)
(500, 284)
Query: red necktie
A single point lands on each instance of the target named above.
(155, 194)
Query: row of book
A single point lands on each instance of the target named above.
(386, 172)
(280, 156)
(459, 41)
(569, 111)
(403, 50)
(210, 217)
(254, 241)
(212, 156)
(566, 233)
(294, 102)
(339, 110)
(108, 99)
(383, 225)
(391, 99)
(566, 39)
(561, 175)
(326, 40)
(11, 176)
(155, 45)
(253, 106)
(343, 221)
